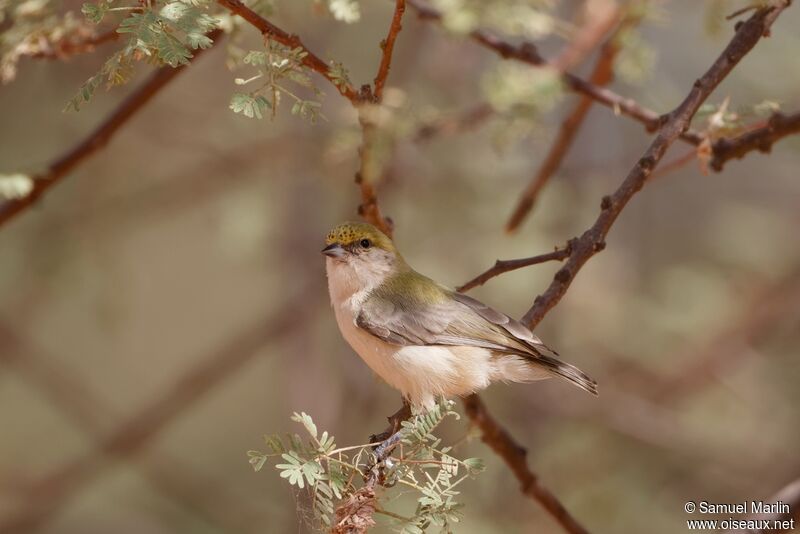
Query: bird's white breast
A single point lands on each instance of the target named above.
(421, 373)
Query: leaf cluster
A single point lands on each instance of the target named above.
(420, 465)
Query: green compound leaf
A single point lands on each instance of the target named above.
(248, 105)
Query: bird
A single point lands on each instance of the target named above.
(421, 337)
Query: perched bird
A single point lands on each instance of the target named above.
(422, 338)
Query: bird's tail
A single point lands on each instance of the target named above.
(568, 372)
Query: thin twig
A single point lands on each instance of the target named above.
(526, 52)
(601, 75)
(504, 266)
(514, 455)
(387, 45)
(310, 60)
(593, 240)
(97, 139)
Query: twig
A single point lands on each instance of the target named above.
(387, 45)
(526, 52)
(514, 455)
(601, 75)
(97, 139)
(53, 491)
(593, 240)
(761, 139)
(311, 60)
(504, 266)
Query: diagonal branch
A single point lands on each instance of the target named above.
(526, 52)
(593, 240)
(268, 29)
(97, 139)
(514, 455)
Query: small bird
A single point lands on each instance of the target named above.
(420, 337)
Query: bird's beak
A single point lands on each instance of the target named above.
(333, 250)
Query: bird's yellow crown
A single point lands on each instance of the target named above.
(349, 233)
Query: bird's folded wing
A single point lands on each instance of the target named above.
(457, 320)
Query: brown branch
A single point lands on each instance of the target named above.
(593, 240)
(387, 45)
(514, 455)
(268, 29)
(761, 139)
(601, 75)
(97, 139)
(50, 493)
(526, 52)
(504, 266)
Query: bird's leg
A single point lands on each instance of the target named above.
(388, 439)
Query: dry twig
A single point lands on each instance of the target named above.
(514, 455)
(593, 240)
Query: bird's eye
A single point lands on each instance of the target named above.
(365, 243)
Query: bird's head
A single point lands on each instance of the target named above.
(364, 250)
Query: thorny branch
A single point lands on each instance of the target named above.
(593, 240)
(97, 139)
(514, 455)
(526, 52)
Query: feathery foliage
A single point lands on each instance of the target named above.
(334, 476)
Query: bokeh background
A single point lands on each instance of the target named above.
(165, 305)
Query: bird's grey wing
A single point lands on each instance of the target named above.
(463, 321)
(454, 320)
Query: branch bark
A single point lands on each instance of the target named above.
(761, 139)
(514, 455)
(97, 139)
(526, 52)
(593, 240)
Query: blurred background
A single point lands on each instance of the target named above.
(165, 306)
